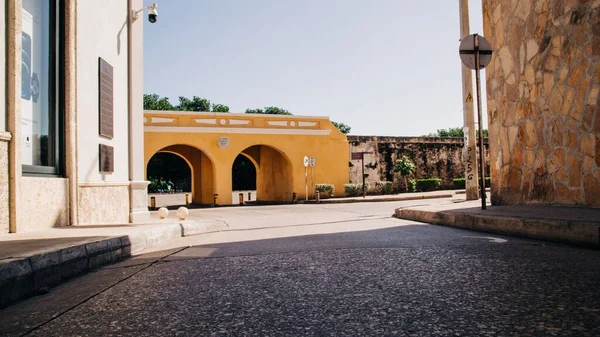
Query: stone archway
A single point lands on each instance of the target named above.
(274, 173)
(202, 171)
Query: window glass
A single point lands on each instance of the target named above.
(38, 83)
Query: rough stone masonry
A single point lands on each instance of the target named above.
(543, 89)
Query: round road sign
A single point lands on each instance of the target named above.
(468, 53)
(305, 161)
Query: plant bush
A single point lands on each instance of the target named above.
(325, 190)
(412, 185)
(354, 190)
(384, 187)
(405, 167)
(429, 184)
(460, 183)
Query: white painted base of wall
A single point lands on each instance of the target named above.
(235, 196)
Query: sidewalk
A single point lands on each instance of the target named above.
(567, 224)
(31, 263)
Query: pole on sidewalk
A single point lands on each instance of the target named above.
(480, 124)
(364, 189)
(470, 149)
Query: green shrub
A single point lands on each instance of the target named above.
(354, 190)
(412, 185)
(460, 183)
(325, 189)
(384, 187)
(430, 184)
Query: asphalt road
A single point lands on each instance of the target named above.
(335, 270)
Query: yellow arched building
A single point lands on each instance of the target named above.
(275, 144)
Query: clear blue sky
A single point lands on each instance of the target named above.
(384, 67)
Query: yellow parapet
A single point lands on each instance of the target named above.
(275, 144)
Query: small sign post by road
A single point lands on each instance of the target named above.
(311, 163)
(361, 156)
(306, 163)
(476, 53)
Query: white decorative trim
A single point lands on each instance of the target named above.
(254, 131)
(307, 123)
(292, 123)
(238, 122)
(223, 121)
(277, 123)
(161, 120)
(103, 184)
(206, 121)
(220, 115)
(5, 136)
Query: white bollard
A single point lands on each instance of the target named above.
(163, 212)
(183, 213)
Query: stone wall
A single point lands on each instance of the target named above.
(542, 96)
(434, 157)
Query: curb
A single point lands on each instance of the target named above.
(386, 199)
(33, 274)
(579, 233)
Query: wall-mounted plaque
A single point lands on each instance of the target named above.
(107, 159)
(223, 141)
(105, 99)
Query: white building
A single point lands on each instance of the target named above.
(71, 118)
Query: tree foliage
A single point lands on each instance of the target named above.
(345, 129)
(155, 102)
(194, 104)
(270, 110)
(220, 108)
(404, 166)
(454, 132)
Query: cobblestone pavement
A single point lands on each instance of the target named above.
(388, 277)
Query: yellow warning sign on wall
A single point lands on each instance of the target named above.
(469, 98)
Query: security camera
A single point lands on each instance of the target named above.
(152, 13)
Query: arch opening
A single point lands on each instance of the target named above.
(189, 169)
(168, 173)
(273, 177)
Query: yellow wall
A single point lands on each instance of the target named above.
(276, 144)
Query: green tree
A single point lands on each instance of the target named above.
(155, 102)
(345, 129)
(194, 104)
(270, 110)
(454, 132)
(220, 108)
(405, 167)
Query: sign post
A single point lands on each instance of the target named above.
(361, 156)
(470, 147)
(312, 175)
(476, 53)
(306, 162)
